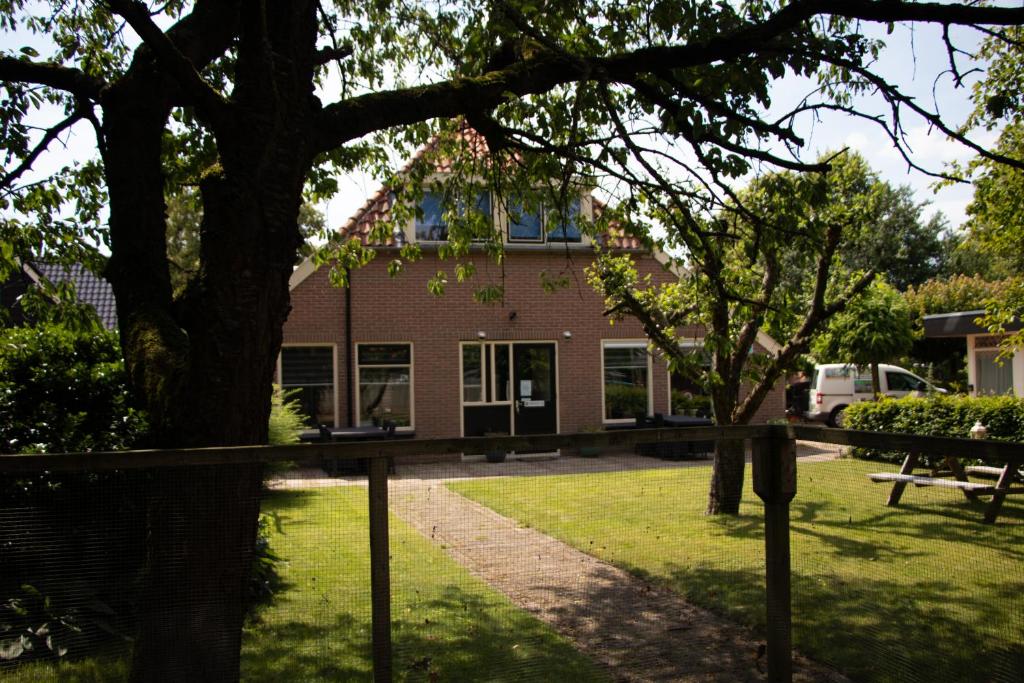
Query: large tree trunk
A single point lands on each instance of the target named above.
(203, 364)
(727, 478)
(203, 519)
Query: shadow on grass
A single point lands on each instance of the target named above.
(285, 499)
(456, 636)
(481, 639)
(873, 629)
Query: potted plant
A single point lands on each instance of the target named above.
(495, 454)
(591, 451)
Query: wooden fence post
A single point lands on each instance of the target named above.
(774, 461)
(380, 570)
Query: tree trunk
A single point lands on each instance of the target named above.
(202, 526)
(727, 478)
(876, 382)
(203, 364)
(203, 520)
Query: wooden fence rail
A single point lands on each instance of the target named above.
(774, 471)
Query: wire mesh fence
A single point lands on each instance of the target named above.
(545, 566)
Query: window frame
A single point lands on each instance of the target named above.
(412, 229)
(548, 231)
(695, 345)
(357, 376)
(626, 343)
(334, 370)
(1008, 364)
(488, 352)
(508, 225)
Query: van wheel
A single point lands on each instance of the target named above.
(838, 417)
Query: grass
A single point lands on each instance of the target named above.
(447, 625)
(919, 592)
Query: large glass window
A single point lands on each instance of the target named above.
(472, 373)
(431, 225)
(627, 380)
(485, 373)
(686, 396)
(993, 377)
(565, 228)
(384, 376)
(525, 223)
(308, 372)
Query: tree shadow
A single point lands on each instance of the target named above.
(873, 629)
(454, 636)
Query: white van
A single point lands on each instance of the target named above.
(836, 385)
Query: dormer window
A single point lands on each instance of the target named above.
(524, 224)
(541, 223)
(567, 228)
(431, 226)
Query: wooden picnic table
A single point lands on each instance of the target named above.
(1004, 478)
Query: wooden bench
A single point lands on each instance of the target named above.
(1004, 476)
(985, 489)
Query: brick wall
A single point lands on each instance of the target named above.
(386, 309)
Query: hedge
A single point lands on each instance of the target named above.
(939, 415)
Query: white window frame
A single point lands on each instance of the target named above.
(504, 221)
(627, 343)
(334, 369)
(429, 185)
(486, 347)
(697, 343)
(412, 379)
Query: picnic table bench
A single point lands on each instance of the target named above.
(1005, 478)
(337, 466)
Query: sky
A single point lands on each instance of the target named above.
(914, 59)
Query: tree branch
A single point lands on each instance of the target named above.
(355, 117)
(330, 54)
(171, 58)
(50, 136)
(53, 75)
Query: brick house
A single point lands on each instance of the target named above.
(448, 366)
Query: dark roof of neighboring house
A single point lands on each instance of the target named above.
(90, 288)
(959, 324)
(378, 206)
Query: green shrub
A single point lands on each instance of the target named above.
(287, 420)
(938, 415)
(64, 391)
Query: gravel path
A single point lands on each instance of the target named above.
(638, 632)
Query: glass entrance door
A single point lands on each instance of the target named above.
(535, 405)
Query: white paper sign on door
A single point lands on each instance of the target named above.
(525, 388)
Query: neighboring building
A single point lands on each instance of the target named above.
(90, 289)
(985, 373)
(539, 362)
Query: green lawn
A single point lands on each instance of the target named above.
(447, 625)
(920, 592)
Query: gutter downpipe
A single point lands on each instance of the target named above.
(349, 392)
